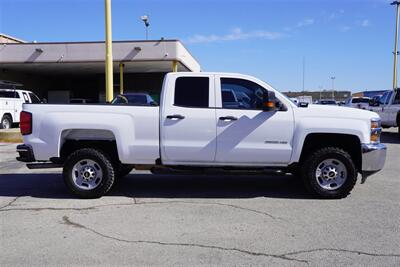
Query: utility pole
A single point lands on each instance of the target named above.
(396, 52)
(109, 57)
(333, 87)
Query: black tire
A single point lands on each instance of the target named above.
(6, 122)
(124, 170)
(312, 162)
(104, 164)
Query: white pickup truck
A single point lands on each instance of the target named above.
(11, 101)
(198, 128)
(388, 108)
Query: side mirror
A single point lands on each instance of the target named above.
(44, 101)
(269, 101)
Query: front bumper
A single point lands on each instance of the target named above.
(373, 159)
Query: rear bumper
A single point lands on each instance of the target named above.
(373, 159)
(25, 153)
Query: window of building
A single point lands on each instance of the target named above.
(192, 92)
(241, 94)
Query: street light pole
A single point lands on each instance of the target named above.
(333, 87)
(109, 57)
(145, 19)
(396, 52)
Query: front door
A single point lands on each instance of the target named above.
(246, 134)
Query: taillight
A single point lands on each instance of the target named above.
(25, 122)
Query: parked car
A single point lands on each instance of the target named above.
(331, 102)
(358, 102)
(388, 108)
(141, 99)
(11, 101)
(192, 130)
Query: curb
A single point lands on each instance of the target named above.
(10, 136)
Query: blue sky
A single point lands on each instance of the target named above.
(351, 40)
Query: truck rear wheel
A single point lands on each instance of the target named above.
(329, 173)
(88, 173)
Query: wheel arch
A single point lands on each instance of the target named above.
(349, 143)
(9, 115)
(74, 139)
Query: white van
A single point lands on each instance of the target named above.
(11, 101)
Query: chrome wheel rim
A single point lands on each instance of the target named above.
(87, 174)
(6, 124)
(331, 174)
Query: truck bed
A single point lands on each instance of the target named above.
(135, 129)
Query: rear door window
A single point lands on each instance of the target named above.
(192, 92)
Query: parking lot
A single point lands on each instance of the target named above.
(197, 220)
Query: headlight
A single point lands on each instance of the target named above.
(375, 130)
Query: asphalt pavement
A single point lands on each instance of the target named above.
(181, 220)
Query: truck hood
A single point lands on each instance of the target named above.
(322, 111)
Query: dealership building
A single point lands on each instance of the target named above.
(59, 71)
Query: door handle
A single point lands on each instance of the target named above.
(228, 118)
(175, 116)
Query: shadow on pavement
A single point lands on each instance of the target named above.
(390, 138)
(162, 186)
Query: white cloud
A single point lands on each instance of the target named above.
(305, 22)
(365, 23)
(335, 14)
(234, 35)
(300, 24)
(345, 28)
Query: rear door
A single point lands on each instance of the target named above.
(188, 123)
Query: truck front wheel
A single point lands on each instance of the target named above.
(329, 173)
(88, 173)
